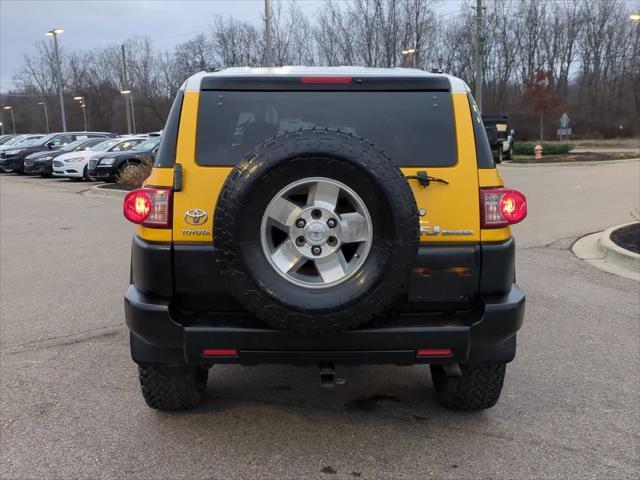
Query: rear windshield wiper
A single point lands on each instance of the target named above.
(424, 179)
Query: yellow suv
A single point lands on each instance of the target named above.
(323, 216)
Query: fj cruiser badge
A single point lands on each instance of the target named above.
(195, 216)
(436, 230)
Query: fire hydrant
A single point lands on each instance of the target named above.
(538, 151)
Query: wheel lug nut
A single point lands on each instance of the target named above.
(316, 250)
(300, 241)
(332, 222)
(300, 223)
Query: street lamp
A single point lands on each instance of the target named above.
(1, 129)
(13, 120)
(46, 114)
(84, 110)
(54, 32)
(635, 17)
(129, 94)
(412, 52)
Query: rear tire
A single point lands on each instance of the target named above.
(478, 388)
(509, 153)
(499, 155)
(172, 388)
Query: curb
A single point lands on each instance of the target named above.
(101, 192)
(508, 163)
(616, 254)
(598, 250)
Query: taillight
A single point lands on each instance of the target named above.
(502, 207)
(149, 207)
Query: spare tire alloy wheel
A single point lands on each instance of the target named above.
(311, 252)
(315, 231)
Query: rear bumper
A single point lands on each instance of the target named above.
(485, 335)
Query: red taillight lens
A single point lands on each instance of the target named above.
(150, 207)
(502, 207)
(326, 80)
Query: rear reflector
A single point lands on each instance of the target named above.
(434, 352)
(326, 80)
(219, 352)
(502, 207)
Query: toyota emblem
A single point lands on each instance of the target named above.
(195, 216)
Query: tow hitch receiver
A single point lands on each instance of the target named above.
(328, 376)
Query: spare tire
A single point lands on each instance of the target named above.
(316, 231)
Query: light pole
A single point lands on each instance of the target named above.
(13, 120)
(46, 114)
(412, 52)
(83, 106)
(479, 53)
(267, 34)
(128, 98)
(1, 128)
(54, 32)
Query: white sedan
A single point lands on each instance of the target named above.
(75, 164)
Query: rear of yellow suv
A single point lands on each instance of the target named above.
(324, 216)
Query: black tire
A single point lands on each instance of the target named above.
(85, 174)
(478, 388)
(46, 175)
(172, 388)
(499, 154)
(509, 153)
(291, 156)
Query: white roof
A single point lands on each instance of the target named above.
(192, 84)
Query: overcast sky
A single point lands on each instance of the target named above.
(91, 23)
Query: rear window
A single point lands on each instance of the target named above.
(413, 128)
(484, 155)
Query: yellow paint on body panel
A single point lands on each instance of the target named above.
(452, 208)
(489, 177)
(154, 234)
(160, 177)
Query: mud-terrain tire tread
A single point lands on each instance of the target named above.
(478, 388)
(172, 388)
(362, 153)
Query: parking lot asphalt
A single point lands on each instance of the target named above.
(70, 405)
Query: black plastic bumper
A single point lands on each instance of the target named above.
(103, 173)
(478, 336)
(38, 168)
(12, 163)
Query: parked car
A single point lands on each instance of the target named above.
(500, 136)
(75, 165)
(16, 145)
(323, 216)
(16, 140)
(107, 166)
(42, 162)
(6, 138)
(14, 159)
